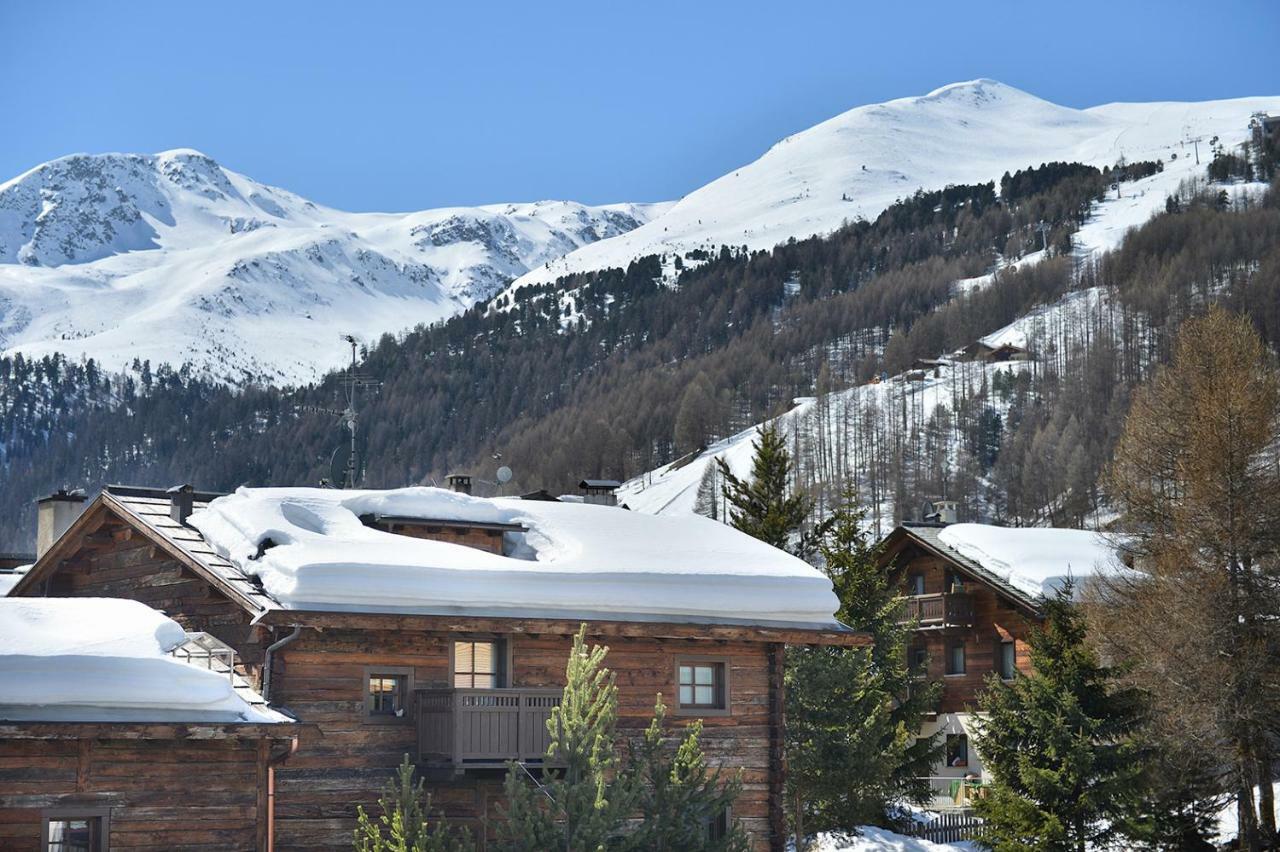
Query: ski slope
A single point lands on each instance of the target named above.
(860, 162)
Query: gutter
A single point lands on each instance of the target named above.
(269, 655)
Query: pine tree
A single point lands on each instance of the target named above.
(403, 825)
(765, 506)
(852, 713)
(680, 795)
(583, 804)
(1060, 745)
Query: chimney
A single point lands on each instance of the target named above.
(943, 512)
(54, 514)
(600, 491)
(460, 482)
(181, 498)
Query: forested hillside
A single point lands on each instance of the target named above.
(616, 373)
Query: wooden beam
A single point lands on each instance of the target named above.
(777, 749)
(146, 731)
(454, 624)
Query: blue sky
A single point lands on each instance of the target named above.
(400, 106)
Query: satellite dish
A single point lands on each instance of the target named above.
(504, 474)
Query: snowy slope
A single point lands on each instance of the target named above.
(673, 489)
(872, 155)
(171, 257)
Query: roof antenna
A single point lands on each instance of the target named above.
(347, 465)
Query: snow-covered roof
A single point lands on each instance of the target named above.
(9, 577)
(1034, 560)
(310, 550)
(107, 660)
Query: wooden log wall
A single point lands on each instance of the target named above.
(343, 759)
(129, 566)
(162, 794)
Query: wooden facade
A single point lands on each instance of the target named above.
(954, 606)
(322, 676)
(149, 786)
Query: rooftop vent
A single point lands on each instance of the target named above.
(181, 500)
(460, 482)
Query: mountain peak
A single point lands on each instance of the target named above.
(980, 86)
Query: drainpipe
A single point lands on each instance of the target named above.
(267, 657)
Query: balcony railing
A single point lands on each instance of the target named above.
(939, 610)
(483, 727)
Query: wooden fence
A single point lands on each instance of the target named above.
(947, 827)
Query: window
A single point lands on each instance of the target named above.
(915, 584)
(75, 830)
(718, 826)
(955, 658)
(1007, 661)
(702, 686)
(957, 750)
(918, 662)
(954, 584)
(479, 664)
(387, 693)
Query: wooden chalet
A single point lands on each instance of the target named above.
(92, 760)
(463, 690)
(973, 593)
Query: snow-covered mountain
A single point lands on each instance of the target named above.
(860, 162)
(173, 258)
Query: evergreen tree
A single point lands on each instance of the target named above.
(852, 713)
(681, 797)
(403, 825)
(765, 506)
(707, 501)
(588, 804)
(1060, 745)
(582, 805)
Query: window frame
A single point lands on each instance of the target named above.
(964, 659)
(947, 751)
(62, 813)
(918, 669)
(726, 816)
(503, 655)
(915, 584)
(1013, 663)
(372, 718)
(725, 695)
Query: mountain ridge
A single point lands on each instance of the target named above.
(171, 257)
(871, 155)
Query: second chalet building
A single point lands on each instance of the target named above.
(974, 593)
(432, 623)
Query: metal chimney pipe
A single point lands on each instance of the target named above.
(181, 500)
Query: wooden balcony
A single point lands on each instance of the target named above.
(939, 610)
(480, 728)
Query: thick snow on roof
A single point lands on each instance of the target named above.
(9, 578)
(105, 660)
(574, 560)
(1034, 560)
